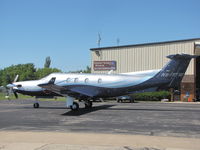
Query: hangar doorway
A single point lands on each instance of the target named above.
(198, 78)
(197, 70)
(190, 85)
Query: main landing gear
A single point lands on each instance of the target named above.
(88, 104)
(74, 106)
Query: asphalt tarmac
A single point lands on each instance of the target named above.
(144, 118)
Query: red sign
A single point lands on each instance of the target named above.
(104, 65)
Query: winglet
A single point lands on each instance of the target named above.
(110, 72)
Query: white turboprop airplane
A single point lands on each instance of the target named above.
(88, 87)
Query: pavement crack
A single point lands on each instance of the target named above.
(43, 146)
(127, 148)
(2, 147)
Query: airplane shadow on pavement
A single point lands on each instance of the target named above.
(156, 109)
(42, 107)
(83, 111)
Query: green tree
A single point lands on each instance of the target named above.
(42, 72)
(1, 77)
(87, 70)
(25, 72)
(47, 62)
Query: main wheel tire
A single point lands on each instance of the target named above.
(88, 104)
(132, 100)
(36, 105)
(119, 101)
(75, 106)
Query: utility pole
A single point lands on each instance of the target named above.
(118, 41)
(99, 40)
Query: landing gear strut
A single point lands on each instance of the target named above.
(71, 104)
(88, 104)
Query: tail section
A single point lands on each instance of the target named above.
(174, 71)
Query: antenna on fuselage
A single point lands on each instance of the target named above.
(110, 72)
(99, 40)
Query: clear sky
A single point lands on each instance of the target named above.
(65, 30)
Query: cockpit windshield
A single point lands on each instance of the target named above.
(48, 77)
(45, 78)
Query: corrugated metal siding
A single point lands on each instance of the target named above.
(146, 57)
(197, 49)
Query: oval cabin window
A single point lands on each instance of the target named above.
(99, 80)
(86, 80)
(75, 80)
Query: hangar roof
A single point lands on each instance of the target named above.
(143, 44)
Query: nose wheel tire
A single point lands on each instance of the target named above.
(36, 105)
(75, 106)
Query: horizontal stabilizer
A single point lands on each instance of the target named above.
(181, 56)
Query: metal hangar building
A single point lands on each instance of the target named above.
(150, 56)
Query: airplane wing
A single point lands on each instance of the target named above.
(85, 90)
(74, 91)
(52, 87)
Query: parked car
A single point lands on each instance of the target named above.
(125, 98)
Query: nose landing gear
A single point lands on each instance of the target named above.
(36, 105)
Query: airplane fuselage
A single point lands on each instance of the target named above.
(100, 85)
(88, 87)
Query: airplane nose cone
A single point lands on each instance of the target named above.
(10, 86)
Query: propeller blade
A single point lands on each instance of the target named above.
(16, 78)
(11, 87)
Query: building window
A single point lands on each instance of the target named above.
(86, 80)
(99, 80)
(98, 53)
(75, 80)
